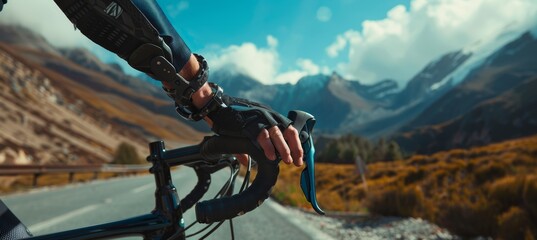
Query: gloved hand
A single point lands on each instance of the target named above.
(263, 126)
(243, 118)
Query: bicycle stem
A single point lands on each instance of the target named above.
(166, 197)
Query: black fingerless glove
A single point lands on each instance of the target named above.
(243, 118)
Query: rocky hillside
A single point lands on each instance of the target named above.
(58, 110)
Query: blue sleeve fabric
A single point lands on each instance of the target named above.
(153, 12)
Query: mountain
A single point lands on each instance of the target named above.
(494, 102)
(330, 98)
(444, 105)
(23, 37)
(428, 80)
(446, 89)
(66, 106)
(420, 92)
(347, 106)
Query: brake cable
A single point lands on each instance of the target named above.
(246, 180)
(245, 183)
(225, 190)
(226, 187)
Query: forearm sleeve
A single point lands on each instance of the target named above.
(153, 12)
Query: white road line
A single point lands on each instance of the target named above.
(142, 188)
(53, 221)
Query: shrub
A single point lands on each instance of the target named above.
(126, 154)
(331, 200)
(418, 160)
(490, 171)
(530, 195)
(414, 175)
(514, 224)
(468, 218)
(523, 160)
(382, 202)
(346, 148)
(397, 201)
(507, 191)
(393, 152)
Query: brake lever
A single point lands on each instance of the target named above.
(304, 123)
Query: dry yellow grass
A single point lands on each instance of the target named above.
(472, 192)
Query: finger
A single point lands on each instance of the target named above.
(264, 141)
(242, 158)
(279, 142)
(291, 136)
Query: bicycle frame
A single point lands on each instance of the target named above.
(165, 221)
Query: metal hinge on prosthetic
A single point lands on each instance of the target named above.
(153, 59)
(164, 71)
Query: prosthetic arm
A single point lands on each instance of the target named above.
(139, 32)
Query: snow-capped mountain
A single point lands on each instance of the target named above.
(347, 106)
(495, 101)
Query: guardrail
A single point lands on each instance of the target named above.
(38, 170)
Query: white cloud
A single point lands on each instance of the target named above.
(289, 77)
(334, 49)
(324, 14)
(46, 18)
(272, 42)
(406, 40)
(260, 63)
(341, 42)
(308, 66)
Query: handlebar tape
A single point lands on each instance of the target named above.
(229, 207)
(203, 173)
(204, 180)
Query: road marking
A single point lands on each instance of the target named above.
(53, 221)
(142, 188)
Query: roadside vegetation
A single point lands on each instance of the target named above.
(483, 191)
(125, 153)
(348, 147)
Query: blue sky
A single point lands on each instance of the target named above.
(300, 30)
(276, 41)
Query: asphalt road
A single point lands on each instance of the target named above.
(57, 209)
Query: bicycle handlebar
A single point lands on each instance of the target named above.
(225, 208)
(229, 207)
(210, 156)
(203, 172)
